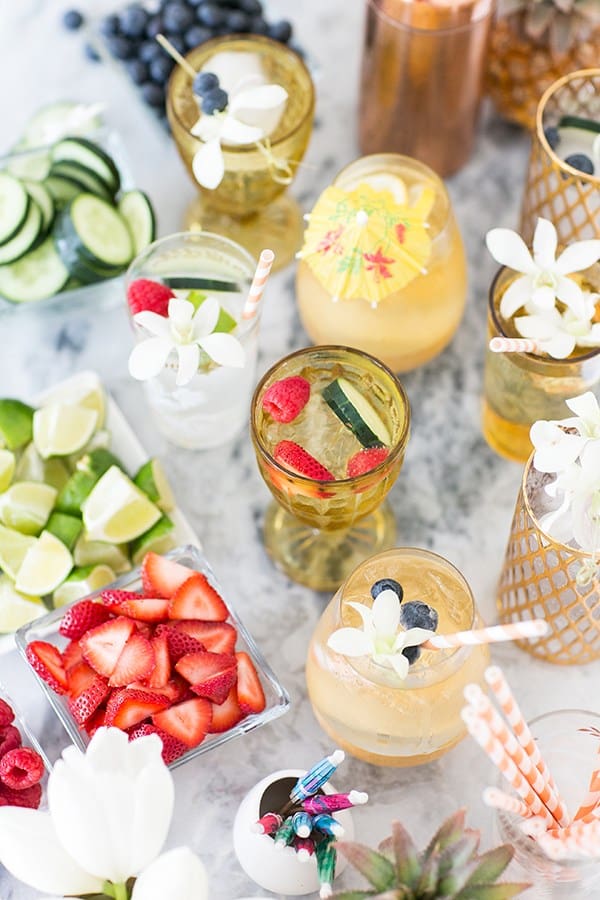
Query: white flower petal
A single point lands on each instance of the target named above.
(569, 293)
(206, 318)
(224, 349)
(207, 128)
(365, 612)
(537, 327)
(349, 642)
(178, 874)
(208, 165)
(416, 636)
(590, 463)
(188, 356)
(585, 406)
(554, 457)
(265, 96)
(559, 346)
(148, 358)
(386, 613)
(239, 133)
(545, 241)
(577, 257)
(585, 520)
(32, 853)
(516, 295)
(543, 297)
(509, 249)
(153, 323)
(400, 665)
(181, 313)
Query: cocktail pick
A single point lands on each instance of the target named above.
(268, 824)
(328, 803)
(176, 55)
(326, 860)
(316, 777)
(284, 834)
(328, 825)
(304, 847)
(302, 823)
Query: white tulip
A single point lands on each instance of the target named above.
(177, 873)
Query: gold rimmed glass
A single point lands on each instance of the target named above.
(318, 531)
(250, 205)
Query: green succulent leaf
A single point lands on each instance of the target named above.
(400, 847)
(492, 892)
(454, 864)
(490, 866)
(355, 895)
(378, 870)
(447, 834)
(427, 887)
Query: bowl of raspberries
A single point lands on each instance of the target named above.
(23, 767)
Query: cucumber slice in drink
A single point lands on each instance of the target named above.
(14, 206)
(136, 209)
(38, 274)
(190, 282)
(151, 479)
(579, 122)
(66, 528)
(16, 423)
(356, 413)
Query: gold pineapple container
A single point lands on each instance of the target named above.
(539, 580)
(555, 190)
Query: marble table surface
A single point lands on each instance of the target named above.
(454, 494)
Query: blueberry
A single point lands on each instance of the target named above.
(195, 2)
(133, 21)
(109, 26)
(90, 52)
(177, 41)
(252, 7)
(72, 19)
(149, 50)
(387, 584)
(580, 161)
(160, 69)
(195, 36)
(120, 47)
(280, 31)
(155, 26)
(214, 101)
(258, 26)
(417, 614)
(153, 94)
(204, 82)
(177, 17)
(552, 136)
(211, 16)
(138, 71)
(238, 22)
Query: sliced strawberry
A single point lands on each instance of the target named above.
(189, 721)
(116, 598)
(79, 677)
(146, 629)
(45, 659)
(95, 721)
(295, 458)
(179, 642)
(146, 295)
(174, 690)
(211, 675)
(172, 748)
(365, 460)
(103, 645)
(128, 707)
(71, 655)
(82, 616)
(227, 714)
(135, 663)
(146, 609)
(197, 599)
(219, 637)
(251, 696)
(161, 576)
(286, 398)
(87, 702)
(162, 662)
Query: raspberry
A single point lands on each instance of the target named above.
(6, 713)
(10, 739)
(144, 294)
(21, 768)
(29, 798)
(286, 398)
(365, 460)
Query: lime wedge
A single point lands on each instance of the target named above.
(151, 479)
(60, 429)
(16, 423)
(84, 389)
(116, 510)
(78, 487)
(45, 566)
(92, 553)
(225, 322)
(31, 467)
(97, 462)
(66, 528)
(99, 440)
(159, 539)
(13, 547)
(7, 468)
(81, 583)
(26, 506)
(17, 609)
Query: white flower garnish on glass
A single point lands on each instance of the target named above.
(186, 331)
(544, 278)
(380, 638)
(557, 334)
(251, 115)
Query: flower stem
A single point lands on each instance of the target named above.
(121, 892)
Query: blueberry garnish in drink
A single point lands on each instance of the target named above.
(552, 135)
(416, 614)
(213, 98)
(387, 584)
(580, 161)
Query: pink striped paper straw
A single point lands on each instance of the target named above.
(497, 799)
(513, 631)
(259, 281)
(580, 841)
(513, 345)
(593, 797)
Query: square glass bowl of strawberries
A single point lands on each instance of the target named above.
(158, 651)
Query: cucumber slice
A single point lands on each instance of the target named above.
(44, 200)
(136, 209)
(90, 155)
(88, 181)
(189, 282)
(578, 122)
(26, 237)
(356, 413)
(62, 189)
(14, 207)
(97, 233)
(29, 164)
(35, 276)
(52, 122)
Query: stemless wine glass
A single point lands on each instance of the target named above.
(250, 204)
(364, 706)
(317, 531)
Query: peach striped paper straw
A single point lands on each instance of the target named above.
(513, 345)
(259, 281)
(494, 749)
(499, 685)
(581, 841)
(593, 797)
(513, 631)
(482, 707)
(497, 799)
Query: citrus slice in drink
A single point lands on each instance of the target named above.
(116, 510)
(151, 479)
(92, 553)
(31, 467)
(60, 428)
(7, 468)
(26, 506)
(84, 389)
(81, 583)
(46, 565)
(16, 423)
(160, 538)
(17, 609)
(66, 528)
(382, 181)
(13, 547)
